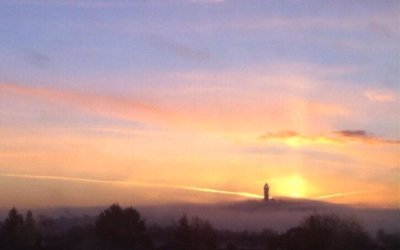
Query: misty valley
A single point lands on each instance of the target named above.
(315, 226)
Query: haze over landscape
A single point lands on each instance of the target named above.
(157, 103)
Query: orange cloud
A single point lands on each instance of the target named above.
(294, 138)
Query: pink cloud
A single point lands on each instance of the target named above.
(124, 108)
(222, 107)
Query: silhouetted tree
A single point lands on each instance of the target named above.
(30, 233)
(121, 227)
(47, 227)
(13, 228)
(388, 241)
(18, 232)
(270, 239)
(196, 234)
(327, 232)
(184, 233)
(231, 246)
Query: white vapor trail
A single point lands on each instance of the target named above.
(329, 196)
(130, 183)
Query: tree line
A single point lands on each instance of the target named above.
(118, 228)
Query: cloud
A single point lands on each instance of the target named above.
(304, 152)
(204, 100)
(35, 58)
(207, 1)
(352, 133)
(104, 105)
(75, 3)
(387, 29)
(99, 3)
(362, 136)
(281, 134)
(293, 138)
(177, 48)
(379, 96)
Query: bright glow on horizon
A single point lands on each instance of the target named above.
(297, 187)
(293, 186)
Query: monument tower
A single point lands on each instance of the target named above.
(266, 192)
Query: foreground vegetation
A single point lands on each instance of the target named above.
(121, 229)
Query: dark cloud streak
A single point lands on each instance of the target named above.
(280, 134)
(339, 137)
(364, 136)
(177, 48)
(35, 58)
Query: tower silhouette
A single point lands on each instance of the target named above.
(266, 192)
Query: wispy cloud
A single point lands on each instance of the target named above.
(101, 3)
(362, 136)
(177, 48)
(294, 138)
(386, 29)
(209, 107)
(35, 58)
(379, 96)
(84, 3)
(105, 105)
(207, 1)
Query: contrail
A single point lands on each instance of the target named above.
(328, 196)
(62, 178)
(98, 181)
(210, 190)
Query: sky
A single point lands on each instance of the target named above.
(200, 101)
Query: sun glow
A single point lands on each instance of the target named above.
(298, 141)
(293, 186)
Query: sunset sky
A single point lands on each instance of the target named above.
(164, 101)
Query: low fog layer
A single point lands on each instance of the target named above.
(279, 214)
(252, 215)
